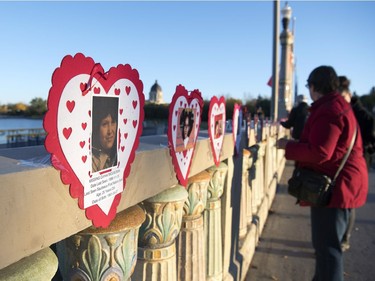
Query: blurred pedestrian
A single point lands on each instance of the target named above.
(365, 119)
(297, 117)
(366, 124)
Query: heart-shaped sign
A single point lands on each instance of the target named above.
(216, 126)
(184, 121)
(236, 127)
(93, 124)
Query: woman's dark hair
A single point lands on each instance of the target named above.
(101, 108)
(324, 79)
(344, 83)
(189, 114)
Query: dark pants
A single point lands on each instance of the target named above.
(350, 227)
(328, 226)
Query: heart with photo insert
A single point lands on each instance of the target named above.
(93, 124)
(183, 126)
(216, 126)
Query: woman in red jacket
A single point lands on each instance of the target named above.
(324, 141)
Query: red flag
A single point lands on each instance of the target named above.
(269, 83)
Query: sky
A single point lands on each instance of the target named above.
(222, 48)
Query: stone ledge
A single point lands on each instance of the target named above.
(38, 211)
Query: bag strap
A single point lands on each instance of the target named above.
(343, 161)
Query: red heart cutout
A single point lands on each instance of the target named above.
(83, 87)
(82, 144)
(134, 104)
(127, 90)
(76, 170)
(67, 132)
(117, 92)
(216, 126)
(182, 149)
(70, 105)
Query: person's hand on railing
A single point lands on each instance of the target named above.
(281, 143)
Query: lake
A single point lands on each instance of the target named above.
(10, 123)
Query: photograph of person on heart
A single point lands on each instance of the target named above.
(218, 126)
(184, 135)
(104, 132)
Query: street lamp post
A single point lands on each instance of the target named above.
(286, 65)
(275, 61)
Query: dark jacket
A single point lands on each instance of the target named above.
(297, 119)
(366, 124)
(323, 144)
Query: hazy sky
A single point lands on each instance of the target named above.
(218, 47)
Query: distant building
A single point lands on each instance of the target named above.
(156, 94)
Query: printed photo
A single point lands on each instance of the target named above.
(218, 126)
(185, 132)
(104, 133)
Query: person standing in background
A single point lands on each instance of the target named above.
(366, 124)
(365, 119)
(297, 117)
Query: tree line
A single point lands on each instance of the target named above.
(38, 107)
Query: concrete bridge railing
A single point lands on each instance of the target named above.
(162, 231)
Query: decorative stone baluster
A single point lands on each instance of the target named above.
(102, 254)
(244, 192)
(254, 178)
(258, 181)
(191, 258)
(268, 169)
(212, 222)
(249, 207)
(262, 181)
(157, 247)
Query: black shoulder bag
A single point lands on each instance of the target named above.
(314, 187)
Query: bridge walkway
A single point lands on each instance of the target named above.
(285, 253)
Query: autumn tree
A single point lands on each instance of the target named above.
(17, 108)
(38, 106)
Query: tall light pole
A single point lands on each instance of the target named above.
(275, 61)
(286, 65)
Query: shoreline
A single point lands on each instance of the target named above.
(35, 117)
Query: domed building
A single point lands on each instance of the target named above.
(156, 94)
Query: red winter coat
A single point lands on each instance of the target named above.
(324, 142)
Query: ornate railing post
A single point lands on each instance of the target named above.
(212, 222)
(191, 258)
(249, 195)
(157, 247)
(258, 190)
(101, 254)
(261, 158)
(244, 194)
